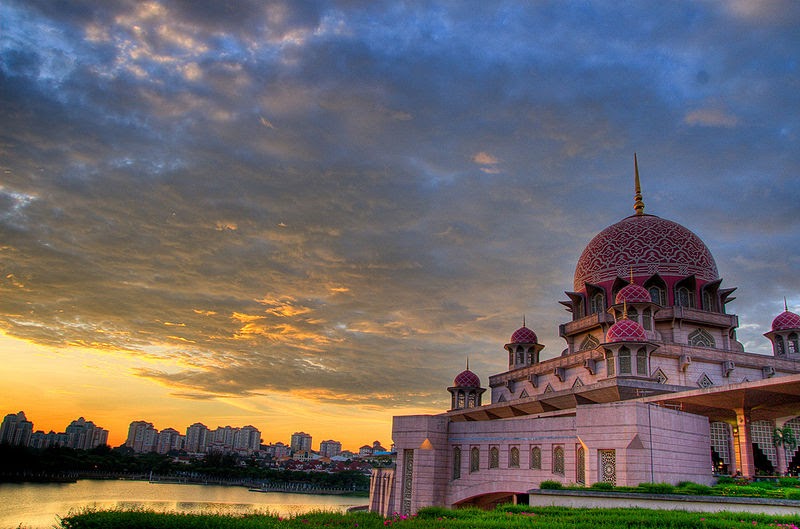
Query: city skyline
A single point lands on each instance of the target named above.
(306, 217)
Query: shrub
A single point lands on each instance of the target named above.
(793, 494)
(789, 482)
(695, 489)
(602, 485)
(551, 485)
(657, 488)
(725, 480)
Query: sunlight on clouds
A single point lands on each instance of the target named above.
(205, 312)
(224, 225)
(710, 117)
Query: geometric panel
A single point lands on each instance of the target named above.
(608, 466)
(704, 381)
(660, 376)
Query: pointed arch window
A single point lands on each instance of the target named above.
(474, 459)
(658, 294)
(624, 361)
(641, 361)
(647, 321)
(558, 460)
(597, 303)
(701, 338)
(460, 400)
(780, 348)
(513, 457)
(520, 355)
(792, 343)
(633, 314)
(609, 363)
(494, 457)
(684, 297)
(709, 303)
(456, 462)
(536, 458)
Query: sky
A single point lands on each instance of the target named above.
(307, 216)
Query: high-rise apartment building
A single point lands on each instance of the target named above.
(330, 448)
(142, 437)
(301, 442)
(16, 429)
(85, 435)
(197, 438)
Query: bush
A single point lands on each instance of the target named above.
(789, 482)
(551, 485)
(657, 488)
(793, 494)
(602, 485)
(695, 488)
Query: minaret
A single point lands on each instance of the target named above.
(638, 205)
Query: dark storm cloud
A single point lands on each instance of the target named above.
(352, 198)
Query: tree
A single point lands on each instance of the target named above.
(783, 439)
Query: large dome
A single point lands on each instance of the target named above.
(467, 379)
(645, 245)
(786, 321)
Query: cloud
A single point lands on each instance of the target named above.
(283, 197)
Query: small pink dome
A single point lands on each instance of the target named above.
(626, 331)
(524, 335)
(786, 320)
(467, 379)
(633, 293)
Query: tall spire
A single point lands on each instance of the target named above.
(467, 363)
(523, 320)
(638, 205)
(785, 305)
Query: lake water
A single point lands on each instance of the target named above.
(39, 505)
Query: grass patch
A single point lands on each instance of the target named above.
(783, 488)
(504, 517)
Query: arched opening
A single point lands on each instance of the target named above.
(792, 346)
(456, 462)
(657, 289)
(589, 343)
(641, 362)
(684, 293)
(609, 363)
(474, 459)
(624, 361)
(647, 319)
(558, 460)
(536, 458)
(494, 457)
(701, 338)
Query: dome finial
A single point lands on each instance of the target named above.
(523, 318)
(785, 305)
(468, 363)
(631, 274)
(638, 205)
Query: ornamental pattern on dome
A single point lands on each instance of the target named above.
(524, 335)
(626, 331)
(633, 294)
(645, 245)
(786, 320)
(467, 379)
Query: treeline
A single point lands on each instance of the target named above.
(18, 460)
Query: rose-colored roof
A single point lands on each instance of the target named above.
(633, 293)
(786, 320)
(646, 245)
(626, 331)
(524, 335)
(467, 379)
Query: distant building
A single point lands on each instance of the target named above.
(330, 448)
(301, 442)
(85, 435)
(247, 440)
(168, 439)
(142, 437)
(365, 451)
(16, 429)
(276, 450)
(197, 438)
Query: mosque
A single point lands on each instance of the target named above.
(652, 386)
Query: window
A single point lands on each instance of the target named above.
(624, 361)
(460, 402)
(701, 338)
(471, 400)
(647, 321)
(590, 342)
(456, 462)
(641, 361)
(536, 458)
(598, 303)
(610, 363)
(792, 344)
(780, 348)
(684, 297)
(474, 459)
(558, 460)
(520, 355)
(708, 301)
(658, 294)
(494, 457)
(580, 465)
(513, 457)
(633, 314)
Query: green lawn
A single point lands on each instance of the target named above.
(504, 517)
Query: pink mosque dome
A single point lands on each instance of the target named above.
(467, 379)
(785, 321)
(644, 245)
(524, 335)
(626, 330)
(633, 293)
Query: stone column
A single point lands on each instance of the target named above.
(744, 444)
